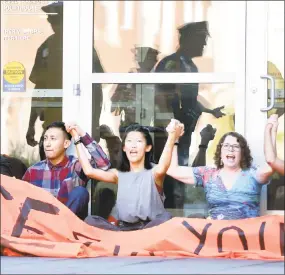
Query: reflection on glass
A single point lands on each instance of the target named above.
(152, 106)
(275, 195)
(47, 74)
(165, 26)
(33, 38)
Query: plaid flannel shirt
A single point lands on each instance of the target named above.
(60, 179)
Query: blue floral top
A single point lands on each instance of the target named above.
(240, 202)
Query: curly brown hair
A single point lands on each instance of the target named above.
(246, 158)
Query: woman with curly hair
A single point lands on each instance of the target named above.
(233, 185)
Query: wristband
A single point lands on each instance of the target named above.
(203, 146)
(176, 143)
(77, 141)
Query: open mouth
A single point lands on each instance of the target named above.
(231, 158)
(133, 153)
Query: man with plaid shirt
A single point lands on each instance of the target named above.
(62, 175)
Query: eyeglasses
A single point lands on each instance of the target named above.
(234, 147)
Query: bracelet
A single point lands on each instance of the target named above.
(77, 141)
(203, 146)
(176, 143)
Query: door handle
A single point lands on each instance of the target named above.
(272, 93)
(143, 113)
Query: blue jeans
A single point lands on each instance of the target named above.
(78, 200)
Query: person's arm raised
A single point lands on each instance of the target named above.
(269, 148)
(207, 134)
(99, 157)
(181, 173)
(264, 172)
(270, 153)
(164, 162)
(94, 173)
(279, 166)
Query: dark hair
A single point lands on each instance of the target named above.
(59, 125)
(5, 167)
(246, 158)
(125, 164)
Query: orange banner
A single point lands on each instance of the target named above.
(33, 222)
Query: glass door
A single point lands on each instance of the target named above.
(265, 87)
(124, 77)
(39, 64)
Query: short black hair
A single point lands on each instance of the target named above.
(59, 125)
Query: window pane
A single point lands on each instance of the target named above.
(131, 36)
(151, 105)
(31, 57)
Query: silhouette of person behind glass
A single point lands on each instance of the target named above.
(181, 99)
(124, 97)
(47, 74)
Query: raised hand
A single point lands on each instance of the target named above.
(217, 112)
(273, 120)
(74, 126)
(207, 134)
(175, 127)
(171, 125)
